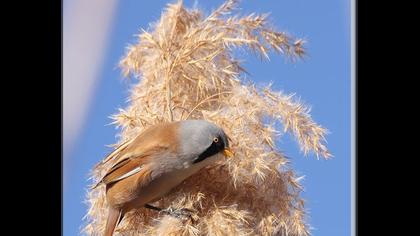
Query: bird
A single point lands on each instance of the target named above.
(157, 160)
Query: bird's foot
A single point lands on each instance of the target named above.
(183, 213)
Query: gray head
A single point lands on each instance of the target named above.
(203, 139)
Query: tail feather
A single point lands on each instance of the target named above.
(114, 217)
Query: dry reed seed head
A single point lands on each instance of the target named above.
(186, 70)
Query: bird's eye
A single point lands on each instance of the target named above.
(216, 140)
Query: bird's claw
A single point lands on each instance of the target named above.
(183, 213)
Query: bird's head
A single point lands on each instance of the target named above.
(203, 140)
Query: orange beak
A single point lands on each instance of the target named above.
(228, 153)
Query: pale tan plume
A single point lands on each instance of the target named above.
(255, 193)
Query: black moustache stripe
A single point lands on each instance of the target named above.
(210, 151)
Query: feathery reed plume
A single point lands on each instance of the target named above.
(186, 70)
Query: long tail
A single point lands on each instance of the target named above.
(114, 217)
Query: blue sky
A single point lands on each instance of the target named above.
(322, 80)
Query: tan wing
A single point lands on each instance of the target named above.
(123, 169)
(156, 140)
(115, 153)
